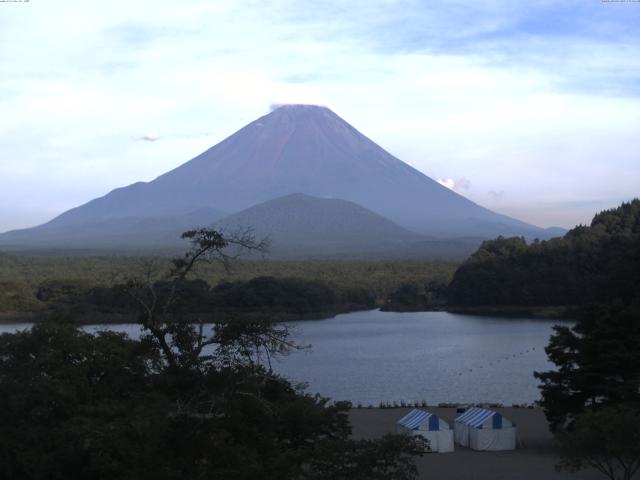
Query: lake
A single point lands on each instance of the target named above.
(372, 356)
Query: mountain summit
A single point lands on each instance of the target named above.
(298, 149)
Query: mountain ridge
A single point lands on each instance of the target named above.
(296, 148)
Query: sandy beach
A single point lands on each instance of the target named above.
(534, 459)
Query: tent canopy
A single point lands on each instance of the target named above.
(419, 419)
(477, 417)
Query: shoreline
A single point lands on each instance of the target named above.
(114, 318)
(558, 312)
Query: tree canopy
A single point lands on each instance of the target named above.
(592, 399)
(595, 264)
(598, 364)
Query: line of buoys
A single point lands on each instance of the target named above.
(508, 357)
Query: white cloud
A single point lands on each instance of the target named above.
(458, 185)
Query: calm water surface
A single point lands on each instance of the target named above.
(376, 356)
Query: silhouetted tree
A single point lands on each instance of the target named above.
(187, 401)
(181, 338)
(598, 364)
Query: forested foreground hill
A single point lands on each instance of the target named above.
(599, 263)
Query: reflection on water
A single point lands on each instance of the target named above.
(438, 357)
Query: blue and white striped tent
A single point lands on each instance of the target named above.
(420, 420)
(483, 429)
(475, 417)
(429, 426)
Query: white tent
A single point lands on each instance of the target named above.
(429, 426)
(482, 429)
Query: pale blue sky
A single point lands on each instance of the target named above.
(529, 108)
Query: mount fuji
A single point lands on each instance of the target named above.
(295, 149)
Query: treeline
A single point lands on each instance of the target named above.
(415, 297)
(599, 263)
(277, 297)
(36, 285)
(378, 277)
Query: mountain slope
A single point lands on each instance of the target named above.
(296, 148)
(111, 234)
(308, 149)
(299, 224)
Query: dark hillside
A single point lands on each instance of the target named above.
(299, 225)
(590, 264)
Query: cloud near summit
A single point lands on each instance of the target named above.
(457, 185)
